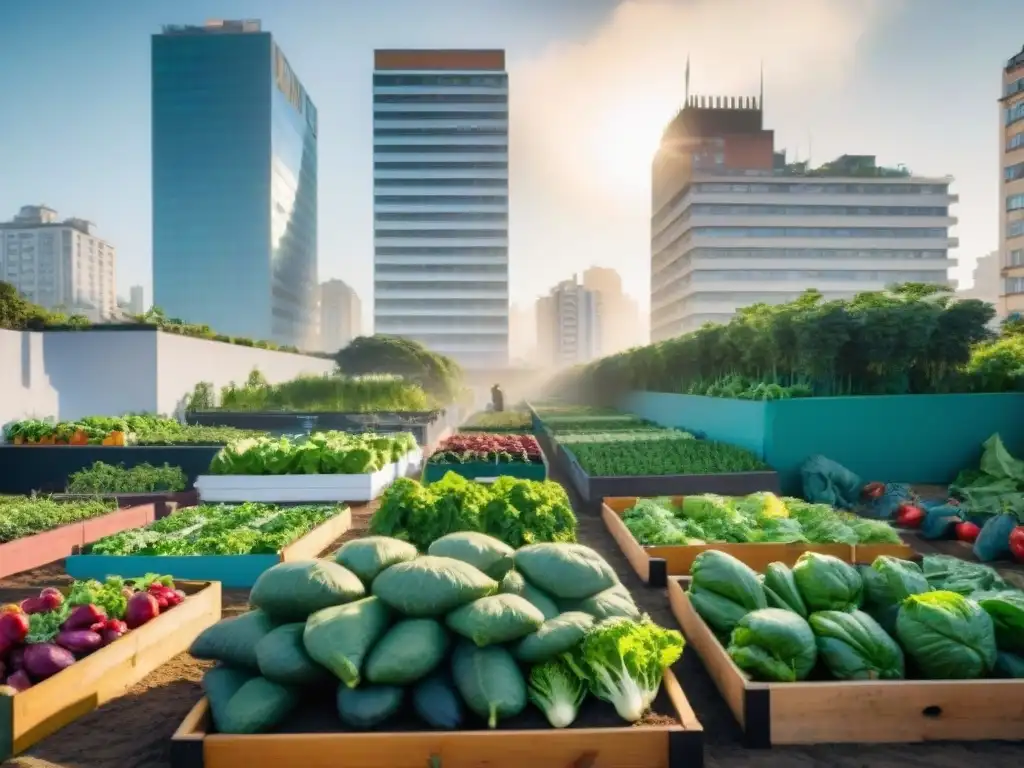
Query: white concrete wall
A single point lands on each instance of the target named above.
(71, 374)
(183, 362)
(25, 388)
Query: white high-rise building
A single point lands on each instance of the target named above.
(59, 265)
(569, 325)
(440, 185)
(341, 315)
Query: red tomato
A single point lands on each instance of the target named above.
(1017, 543)
(909, 515)
(967, 532)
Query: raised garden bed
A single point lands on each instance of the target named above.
(314, 740)
(231, 570)
(108, 673)
(429, 427)
(166, 501)
(654, 564)
(834, 712)
(485, 457)
(39, 549)
(46, 468)
(295, 488)
(593, 489)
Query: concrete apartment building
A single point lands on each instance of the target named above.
(341, 315)
(734, 225)
(440, 212)
(569, 325)
(60, 265)
(234, 184)
(620, 320)
(1011, 185)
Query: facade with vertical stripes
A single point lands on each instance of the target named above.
(440, 213)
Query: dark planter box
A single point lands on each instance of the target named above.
(46, 468)
(165, 502)
(428, 428)
(472, 471)
(593, 489)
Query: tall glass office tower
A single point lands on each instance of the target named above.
(440, 204)
(234, 184)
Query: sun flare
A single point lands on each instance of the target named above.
(624, 141)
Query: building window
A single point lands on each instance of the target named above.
(1014, 113)
(1015, 228)
(1014, 202)
(1015, 285)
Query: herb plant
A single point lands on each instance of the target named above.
(630, 458)
(487, 448)
(498, 421)
(102, 478)
(245, 529)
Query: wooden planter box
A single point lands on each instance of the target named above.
(34, 551)
(852, 712)
(47, 707)
(655, 564)
(194, 745)
(593, 489)
(230, 570)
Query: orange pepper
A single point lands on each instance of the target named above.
(10, 608)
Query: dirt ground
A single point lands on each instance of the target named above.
(134, 730)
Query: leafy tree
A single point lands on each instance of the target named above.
(439, 375)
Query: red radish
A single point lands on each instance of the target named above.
(44, 660)
(141, 608)
(53, 594)
(112, 630)
(19, 681)
(909, 515)
(872, 491)
(13, 627)
(1017, 543)
(79, 641)
(160, 596)
(84, 616)
(32, 605)
(967, 531)
(180, 596)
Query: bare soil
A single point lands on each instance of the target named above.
(134, 730)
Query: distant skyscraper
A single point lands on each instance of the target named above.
(620, 321)
(136, 303)
(440, 184)
(234, 184)
(60, 265)
(1011, 186)
(341, 315)
(569, 325)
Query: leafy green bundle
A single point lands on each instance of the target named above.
(22, 516)
(327, 453)
(103, 478)
(517, 512)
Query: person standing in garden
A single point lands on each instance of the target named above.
(497, 398)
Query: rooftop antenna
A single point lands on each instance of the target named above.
(687, 78)
(761, 100)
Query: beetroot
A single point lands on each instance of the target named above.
(13, 627)
(32, 605)
(20, 681)
(52, 593)
(79, 641)
(141, 608)
(44, 660)
(112, 630)
(16, 659)
(84, 616)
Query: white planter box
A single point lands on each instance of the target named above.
(295, 488)
(411, 463)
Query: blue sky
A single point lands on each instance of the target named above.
(592, 83)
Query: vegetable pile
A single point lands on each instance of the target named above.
(498, 421)
(611, 444)
(517, 512)
(22, 516)
(487, 449)
(468, 633)
(218, 529)
(43, 635)
(102, 478)
(895, 619)
(326, 453)
(759, 517)
(118, 431)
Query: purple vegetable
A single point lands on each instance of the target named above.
(19, 681)
(112, 630)
(84, 616)
(141, 608)
(79, 641)
(44, 660)
(16, 659)
(32, 605)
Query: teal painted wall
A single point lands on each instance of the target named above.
(739, 422)
(894, 438)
